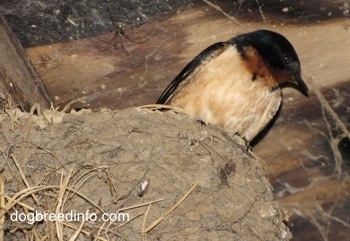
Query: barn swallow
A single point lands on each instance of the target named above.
(237, 84)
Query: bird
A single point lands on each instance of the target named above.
(237, 84)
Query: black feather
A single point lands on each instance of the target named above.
(205, 56)
(272, 46)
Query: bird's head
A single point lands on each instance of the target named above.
(279, 54)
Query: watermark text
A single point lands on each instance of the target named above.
(71, 216)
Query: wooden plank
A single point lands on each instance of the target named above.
(154, 53)
(17, 77)
(134, 71)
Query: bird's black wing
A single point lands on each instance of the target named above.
(204, 57)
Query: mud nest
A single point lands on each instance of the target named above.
(155, 174)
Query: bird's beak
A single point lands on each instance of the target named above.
(291, 79)
(298, 80)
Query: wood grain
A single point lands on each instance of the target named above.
(17, 77)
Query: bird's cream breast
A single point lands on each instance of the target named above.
(223, 92)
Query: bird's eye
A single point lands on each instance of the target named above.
(287, 58)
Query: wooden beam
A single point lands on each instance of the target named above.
(17, 76)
